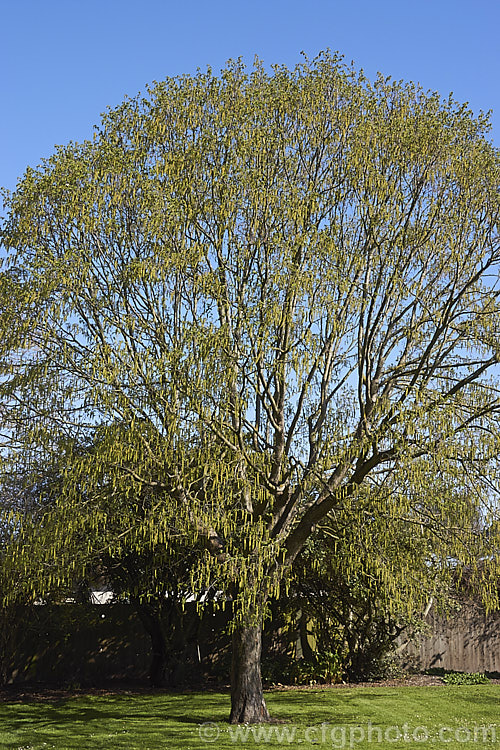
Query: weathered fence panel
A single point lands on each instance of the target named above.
(469, 641)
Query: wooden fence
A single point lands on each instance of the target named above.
(469, 641)
(85, 644)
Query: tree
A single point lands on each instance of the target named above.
(291, 275)
(153, 577)
(357, 605)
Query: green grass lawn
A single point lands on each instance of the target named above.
(384, 717)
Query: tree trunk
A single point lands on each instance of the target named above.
(160, 669)
(247, 698)
(305, 646)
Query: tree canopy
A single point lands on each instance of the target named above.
(260, 296)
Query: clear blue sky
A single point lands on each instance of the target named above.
(65, 61)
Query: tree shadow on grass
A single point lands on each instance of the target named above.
(69, 727)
